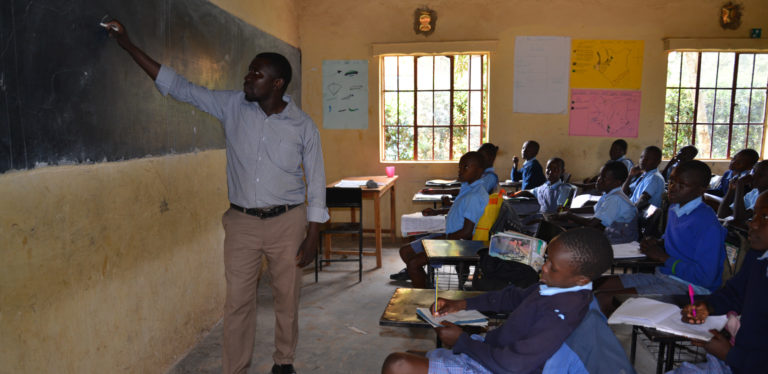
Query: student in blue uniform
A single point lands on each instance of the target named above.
(744, 294)
(739, 166)
(490, 179)
(692, 249)
(649, 186)
(740, 200)
(614, 212)
(541, 318)
(617, 152)
(531, 173)
(460, 222)
(555, 193)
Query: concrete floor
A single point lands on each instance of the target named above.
(339, 330)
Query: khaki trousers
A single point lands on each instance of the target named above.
(248, 238)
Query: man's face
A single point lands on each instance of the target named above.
(559, 270)
(758, 227)
(615, 152)
(683, 187)
(528, 151)
(606, 182)
(648, 161)
(738, 163)
(260, 82)
(469, 171)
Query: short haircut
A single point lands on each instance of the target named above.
(591, 253)
(534, 144)
(621, 143)
(473, 157)
(694, 151)
(750, 154)
(280, 65)
(559, 161)
(699, 170)
(489, 148)
(654, 151)
(617, 169)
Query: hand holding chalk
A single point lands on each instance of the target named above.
(108, 23)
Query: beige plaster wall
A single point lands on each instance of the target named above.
(276, 17)
(113, 267)
(346, 29)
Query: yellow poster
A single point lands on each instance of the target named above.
(612, 64)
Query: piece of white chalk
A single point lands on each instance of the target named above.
(113, 27)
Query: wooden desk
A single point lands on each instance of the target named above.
(401, 309)
(375, 194)
(451, 252)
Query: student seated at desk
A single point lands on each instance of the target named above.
(686, 153)
(739, 204)
(459, 223)
(554, 194)
(692, 250)
(617, 152)
(541, 318)
(614, 212)
(649, 186)
(744, 294)
(490, 179)
(531, 174)
(739, 166)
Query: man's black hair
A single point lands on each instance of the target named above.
(694, 151)
(475, 157)
(535, 145)
(654, 151)
(751, 155)
(280, 64)
(490, 148)
(699, 170)
(559, 161)
(621, 143)
(590, 250)
(617, 169)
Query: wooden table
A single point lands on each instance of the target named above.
(451, 252)
(388, 184)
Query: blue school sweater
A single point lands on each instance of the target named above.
(535, 329)
(531, 174)
(745, 294)
(695, 243)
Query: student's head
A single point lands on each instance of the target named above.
(576, 257)
(686, 153)
(760, 176)
(618, 149)
(488, 150)
(530, 149)
(758, 227)
(612, 175)
(744, 160)
(650, 158)
(471, 167)
(555, 169)
(268, 74)
(688, 181)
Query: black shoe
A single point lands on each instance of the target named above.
(402, 275)
(283, 369)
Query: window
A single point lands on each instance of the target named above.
(715, 101)
(435, 106)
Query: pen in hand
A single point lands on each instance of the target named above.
(690, 295)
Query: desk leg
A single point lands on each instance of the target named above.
(377, 223)
(670, 356)
(660, 358)
(392, 214)
(633, 346)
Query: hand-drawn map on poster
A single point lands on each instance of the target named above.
(345, 94)
(610, 113)
(616, 64)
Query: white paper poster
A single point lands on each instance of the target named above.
(541, 74)
(345, 94)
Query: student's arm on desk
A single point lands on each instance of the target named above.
(440, 191)
(584, 221)
(706, 252)
(521, 193)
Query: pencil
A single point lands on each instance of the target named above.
(434, 312)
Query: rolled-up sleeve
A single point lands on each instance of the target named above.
(314, 171)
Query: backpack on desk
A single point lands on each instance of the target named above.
(493, 273)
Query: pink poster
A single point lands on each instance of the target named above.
(610, 113)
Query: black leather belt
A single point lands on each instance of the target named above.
(273, 211)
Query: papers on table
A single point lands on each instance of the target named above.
(353, 183)
(463, 318)
(418, 196)
(443, 183)
(582, 199)
(419, 223)
(664, 317)
(627, 250)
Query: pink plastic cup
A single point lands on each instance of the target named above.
(390, 171)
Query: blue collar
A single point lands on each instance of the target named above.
(623, 157)
(553, 186)
(613, 191)
(529, 161)
(544, 290)
(687, 208)
(764, 256)
(488, 170)
(649, 172)
(464, 185)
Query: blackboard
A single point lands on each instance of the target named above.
(69, 94)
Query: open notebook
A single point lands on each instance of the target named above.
(664, 317)
(463, 317)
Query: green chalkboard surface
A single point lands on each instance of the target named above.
(69, 94)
